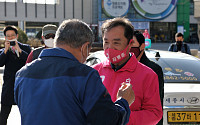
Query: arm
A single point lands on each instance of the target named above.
(105, 112)
(30, 57)
(151, 110)
(102, 111)
(4, 52)
(161, 85)
(170, 47)
(159, 72)
(25, 50)
(188, 49)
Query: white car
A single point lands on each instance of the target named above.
(182, 84)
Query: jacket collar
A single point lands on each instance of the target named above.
(129, 66)
(144, 58)
(57, 52)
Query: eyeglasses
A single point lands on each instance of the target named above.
(48, 36)
(9, 36)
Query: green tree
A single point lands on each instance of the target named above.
(22, 37)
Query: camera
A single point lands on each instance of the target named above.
(12, 43)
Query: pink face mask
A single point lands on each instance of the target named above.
(115, 56)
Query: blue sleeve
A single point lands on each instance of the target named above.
(122, 105)
(105, 112)
(188, 50)
(100, 108)
(92, 91)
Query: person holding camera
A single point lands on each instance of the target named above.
(13, 57)
(179, 45)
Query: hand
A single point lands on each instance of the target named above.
(17, 47)
(7, 46)
(126, 92)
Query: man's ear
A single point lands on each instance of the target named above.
(84, 46)
(132, 42)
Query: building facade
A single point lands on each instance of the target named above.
(161, 18)
(32, 15)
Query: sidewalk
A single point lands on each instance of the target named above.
(14, 117)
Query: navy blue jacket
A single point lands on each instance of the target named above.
(12, 64)
(184, 48)
(56, 89)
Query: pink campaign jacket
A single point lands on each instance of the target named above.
(146, 109)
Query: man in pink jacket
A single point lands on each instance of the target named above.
(123, 66)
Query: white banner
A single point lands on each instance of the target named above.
(115, 8)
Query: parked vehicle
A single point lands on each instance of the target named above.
(182, 84)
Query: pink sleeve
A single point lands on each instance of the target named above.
(151, 110)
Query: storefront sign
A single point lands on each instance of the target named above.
(154, 9)
(115, 8)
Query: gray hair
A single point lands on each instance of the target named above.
(74, 33)
(119, 21)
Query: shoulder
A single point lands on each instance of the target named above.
(99, 66)
(38, 49)
(2, 49)
(151, 64)
(154, 65)
(146, 70)
(172, 44)
(24, 45)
